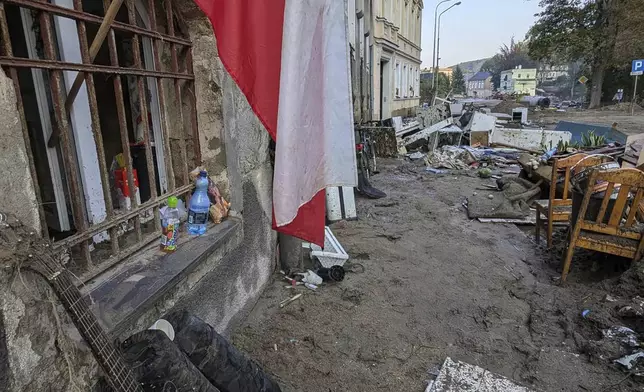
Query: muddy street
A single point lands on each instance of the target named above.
(435, 285)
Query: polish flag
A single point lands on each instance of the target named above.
(290, 58)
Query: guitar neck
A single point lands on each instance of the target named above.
(110, 359)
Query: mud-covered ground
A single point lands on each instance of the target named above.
(435, 285)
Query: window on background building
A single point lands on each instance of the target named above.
(403, 93)
(398, 81)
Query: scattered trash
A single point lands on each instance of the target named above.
(286, 302)
(622, 334)
(436, 171)
(585, 313)
(461, 376)
(485, 172)
(310, 286)
(609, 298)
(629, 361)
(199, 207)
(310, 277)
(490, 197)
(416, 156)
(333, 252)
(333, 274)
(170, 222)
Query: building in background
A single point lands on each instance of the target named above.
(470, 68)
(519, 81)
(447, 72)
(550, 73)
(480, 85)
(395, 52)
(361, 22)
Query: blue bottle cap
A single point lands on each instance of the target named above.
(203, 173)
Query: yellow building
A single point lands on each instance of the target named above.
(396, 50)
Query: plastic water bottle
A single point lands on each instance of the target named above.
(170, 221)
(199, 206)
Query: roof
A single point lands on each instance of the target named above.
(480, 76)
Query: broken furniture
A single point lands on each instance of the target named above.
(605, 230)
(559, 210)
(333, 253)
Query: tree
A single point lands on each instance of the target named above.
(443, 85)
(458, 81)
(601, 33)
(509, 57)
(425, 90)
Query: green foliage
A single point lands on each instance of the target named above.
(508, 57)
(590, 139)
(425, 90)
(458, 81)
(603, 34)
(444, 86)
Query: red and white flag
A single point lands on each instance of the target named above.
(290, 58)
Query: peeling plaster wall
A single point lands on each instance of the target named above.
(16, 184)
(234, 148)
(35, 340)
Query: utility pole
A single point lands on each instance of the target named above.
(438, 40)
(434, 61)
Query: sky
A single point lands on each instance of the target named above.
(475, 29)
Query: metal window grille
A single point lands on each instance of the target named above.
(180, 75)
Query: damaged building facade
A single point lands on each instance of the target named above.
(90, 167)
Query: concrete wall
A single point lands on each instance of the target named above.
(16, 183)
(231, 133)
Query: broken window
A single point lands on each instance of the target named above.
(110, 125)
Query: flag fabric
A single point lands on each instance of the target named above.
(290, 58)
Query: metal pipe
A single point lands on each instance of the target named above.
(86, 17)
(438, 40)
(54, 65)
(434, 41)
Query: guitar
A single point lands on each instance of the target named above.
(35, 254)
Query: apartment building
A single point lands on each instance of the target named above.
(519, 80)
(396, 57)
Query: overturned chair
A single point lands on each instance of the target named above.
(613, 228)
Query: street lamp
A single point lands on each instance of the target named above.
(438, 42)
(434, 49)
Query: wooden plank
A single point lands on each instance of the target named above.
(606, 247)
(604, 206)
(634, 207)
(618, 208)
(610, 230)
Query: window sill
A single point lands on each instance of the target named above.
(149, 282)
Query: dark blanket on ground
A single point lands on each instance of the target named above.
(227, 368)
(159, 365)
(511, 200)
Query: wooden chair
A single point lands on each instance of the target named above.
(559, 210)
(609, 233)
